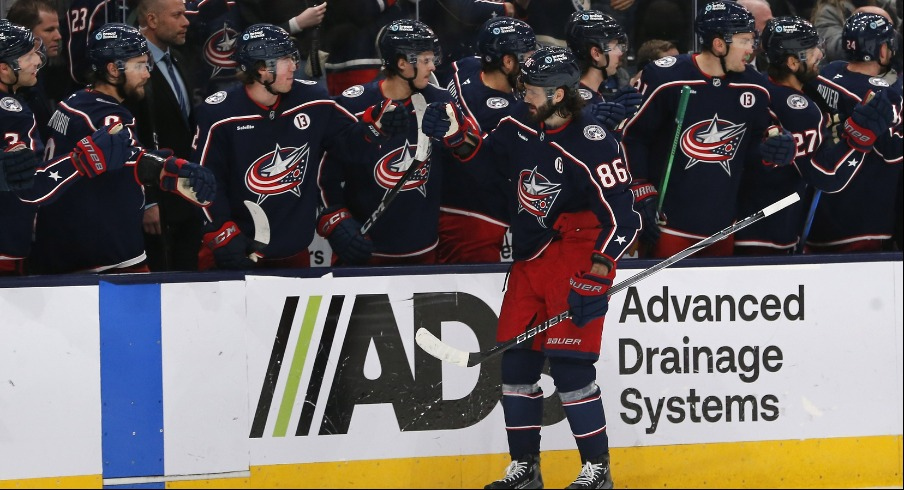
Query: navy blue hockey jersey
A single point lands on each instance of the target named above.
(271, 156)
(725, 120)
(17, 125)
(820, 162)
(409, 226)
(479, 190)
(96, 224)
(864, 209)
(576, 167)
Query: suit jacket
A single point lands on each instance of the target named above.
(159, 124)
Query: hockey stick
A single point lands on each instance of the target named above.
(314, 55)
(679, 121)
(440, 350)
(809, 222)
(420, 156)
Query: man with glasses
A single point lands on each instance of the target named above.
(353, 188)
(572, 220)
(265, 140)
(474, 212)
(693, 168)
(96, 226)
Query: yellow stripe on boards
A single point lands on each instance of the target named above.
(852, 462)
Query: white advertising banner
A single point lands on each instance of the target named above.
(50, 405)
(689, 356)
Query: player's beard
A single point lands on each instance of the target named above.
(806, 73)
(543, 113)
(130, 92)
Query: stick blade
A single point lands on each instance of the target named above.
(438, 349)
(782, 204)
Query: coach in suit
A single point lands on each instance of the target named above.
(164, 119)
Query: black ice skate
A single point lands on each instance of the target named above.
(594, 474)
(521, 473)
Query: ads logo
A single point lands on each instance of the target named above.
(334, 389)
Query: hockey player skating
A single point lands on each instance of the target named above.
(353, 187)
(860, 218)
(725, 121)
(572, 219)
(474, 209)
(264, 140)
(794, 52)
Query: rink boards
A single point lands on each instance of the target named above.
(782, 375)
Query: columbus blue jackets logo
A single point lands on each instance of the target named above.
(219, 48)
(390, 169)
(536, 194)
(282, 170)
(10, 104)
(712, 141)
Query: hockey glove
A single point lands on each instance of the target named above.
(629, 98)
(105, 150)
(587, 299)
(386, 119)
(337, 225)
(609, 114)
(230, 247)
(868, 121)
(445, 122)
(17, 168)
(189, 180)
(778, 148)
(646, 199)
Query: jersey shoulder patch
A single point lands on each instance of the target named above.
(497, 103)
(585, 94)
(878, 81)
(594, 132)
(797, 101)
(666, 61)
(216, 98)
(306, 82)
(353, 91)
(10, 104)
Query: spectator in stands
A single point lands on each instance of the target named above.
(762, 12)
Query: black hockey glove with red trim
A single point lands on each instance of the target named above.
(646, 200)
(101, 152)
(868, 121)
(337, 225)
(386, 119)
(230, 247)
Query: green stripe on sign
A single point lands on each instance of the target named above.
(301, 351)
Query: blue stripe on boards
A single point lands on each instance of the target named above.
(131, 380)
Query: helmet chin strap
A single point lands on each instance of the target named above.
(9, 86)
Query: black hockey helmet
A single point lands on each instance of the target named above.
(407, 38)
(500, 36)
(15, 42)
(115, 43)
(788, 36)
(266, 43)
(864, 34)
(722, 19)
(587, 28)
(551, 67)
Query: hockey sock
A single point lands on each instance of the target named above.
(583, 405)
(522, 401)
